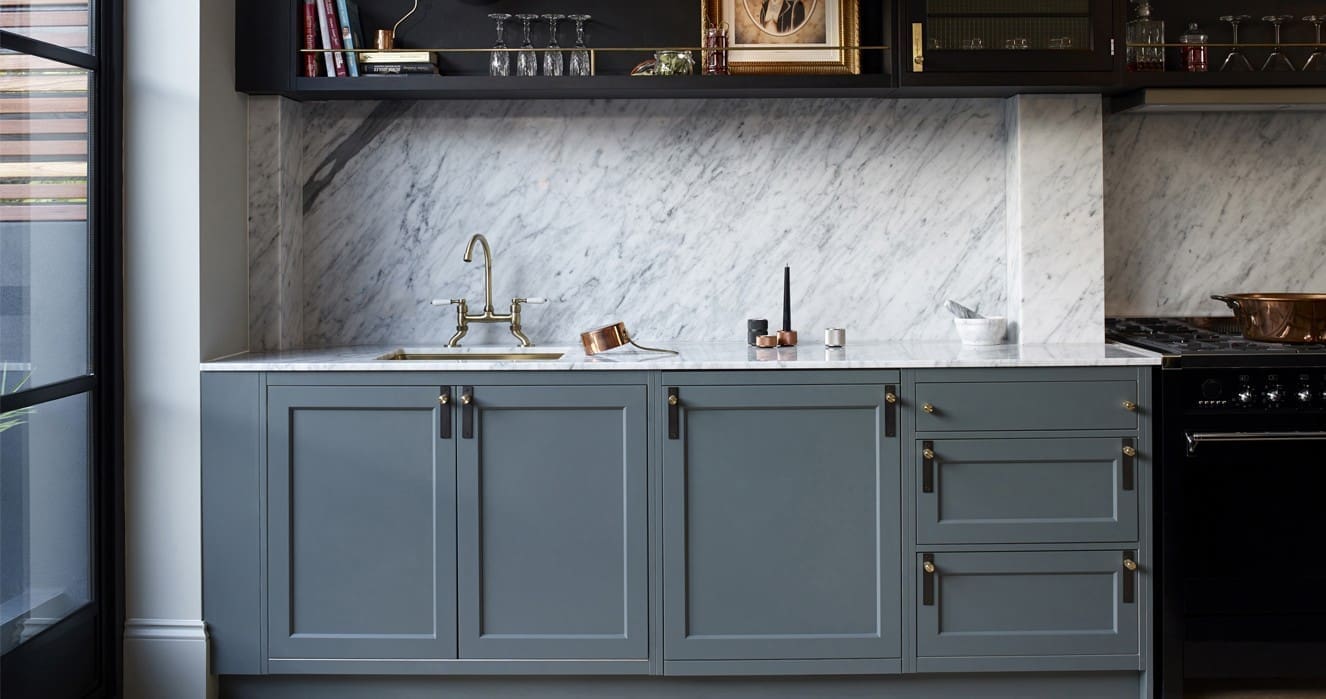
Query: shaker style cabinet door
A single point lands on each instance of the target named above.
(1026, 603)
(781, 529)
(1008, 36)
(361, 524)
(1011, 491)
(553, 522)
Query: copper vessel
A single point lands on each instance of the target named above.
(1293, 318)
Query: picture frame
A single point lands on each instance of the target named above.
(832, 24)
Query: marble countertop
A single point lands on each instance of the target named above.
(706, 356)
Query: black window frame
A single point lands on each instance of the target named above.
(104, 382)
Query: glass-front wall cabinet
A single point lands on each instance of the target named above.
(1014, 36)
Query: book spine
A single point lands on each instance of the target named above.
(399, 69)
(310, 38)
(334, 39)
(348, 40)
(326, 37)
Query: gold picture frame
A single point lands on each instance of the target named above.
(833, 24)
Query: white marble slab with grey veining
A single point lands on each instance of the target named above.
(700, 356)
(1201, 204)
(673, 216)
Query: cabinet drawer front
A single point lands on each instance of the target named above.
(781, 525)
(1010, 491)
(1043, 603)
(1026, 405)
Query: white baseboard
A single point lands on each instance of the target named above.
(166, 659)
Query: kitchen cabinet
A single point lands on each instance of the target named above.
(781, 525)
(553, 519)
(361, 519)
(1067, 403)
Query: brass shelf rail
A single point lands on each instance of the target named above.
(608, 49)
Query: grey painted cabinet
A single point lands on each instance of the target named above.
(1039, 603)
(1009, 491)
(361, 539)
(781, 525)
(1017, 403)
(553, 521)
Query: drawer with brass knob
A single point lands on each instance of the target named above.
(947, 406)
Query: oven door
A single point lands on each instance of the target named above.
(1245, 545)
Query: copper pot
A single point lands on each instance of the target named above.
(1295, 318)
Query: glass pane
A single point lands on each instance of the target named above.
(44, 265)
(61, 22)
(45, 500)
(1009, 24)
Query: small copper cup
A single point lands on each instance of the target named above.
(787, 338)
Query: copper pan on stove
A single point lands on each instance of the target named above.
(1292, 318)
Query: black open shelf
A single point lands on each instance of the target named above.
(1219, 79)
(596, 87)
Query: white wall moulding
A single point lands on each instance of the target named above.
(165, 659)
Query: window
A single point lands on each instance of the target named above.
(59, 338)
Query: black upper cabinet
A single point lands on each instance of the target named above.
(1017, 42)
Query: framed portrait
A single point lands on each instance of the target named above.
(817, 28)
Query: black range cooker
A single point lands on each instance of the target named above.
(1241, 502)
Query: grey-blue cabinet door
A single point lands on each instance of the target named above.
(361, 524)
(553, 524)
(1009, 491)
(781, 525)
(1026, 603)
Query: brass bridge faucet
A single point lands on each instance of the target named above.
(463, 315)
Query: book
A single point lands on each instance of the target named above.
(347, 40)
(398, 57)
(399, 69)
(333, 36)
(310, 38)
(356, 25)
(326, 39)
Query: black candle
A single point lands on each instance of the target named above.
(787, 298)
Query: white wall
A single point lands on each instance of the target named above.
(183, 212)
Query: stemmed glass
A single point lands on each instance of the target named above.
(554, 63)
(1236, 61)
(527, 61)
(1317, 61)
(499, 61)
(1278, 61)
(580, 64)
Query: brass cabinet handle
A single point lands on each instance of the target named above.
(444, 399)
(1129, 451)
(674, 400)
(674, 413)
(1130, 406)
(890, 398)
(467, 412)
(466, 399)
(928, 567)
(1130, 577)
(928, 580)
(930, 409)
(1130, 564)
(928, 454)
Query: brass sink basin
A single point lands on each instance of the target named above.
(466, 355)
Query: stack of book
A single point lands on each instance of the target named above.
(334, 25)
(398, 63)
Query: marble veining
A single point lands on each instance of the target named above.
(276, 256)
(675, 217)
(1200, 204)
(698, 356)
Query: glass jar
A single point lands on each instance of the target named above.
(1196, 52)
(674, 63)
(1144, 38)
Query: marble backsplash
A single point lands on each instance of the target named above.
(675, 217)
(1197, 204)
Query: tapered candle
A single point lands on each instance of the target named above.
(787, 297)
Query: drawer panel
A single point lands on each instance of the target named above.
(1011, 491)
(1026, 405)
(1041, 603)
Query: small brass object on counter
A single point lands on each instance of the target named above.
(787, 338)
(611, 337)
(766, 341)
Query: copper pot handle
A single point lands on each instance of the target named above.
(1231, 302)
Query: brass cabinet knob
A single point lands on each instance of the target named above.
(466, 399)
(890, 398)
(674, 400)
(1130, 564)
(929, 454)
(928, 567)
(918, 60)
(1130, 406)
(928, 408)
(444, 399)
(1129, 451)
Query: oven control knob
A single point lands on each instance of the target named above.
(1244, 397)
(1275, 393)
(1304, 396)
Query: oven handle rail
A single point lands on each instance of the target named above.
(1197, 438)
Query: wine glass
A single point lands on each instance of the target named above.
(1317, 61)
(1278, 61)
(1236, 62)
(499, 61)
(580, 59)
(554, 63)
(527, 61)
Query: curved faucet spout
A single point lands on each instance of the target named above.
(487, 269)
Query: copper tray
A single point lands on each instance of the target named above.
(1291, 318)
